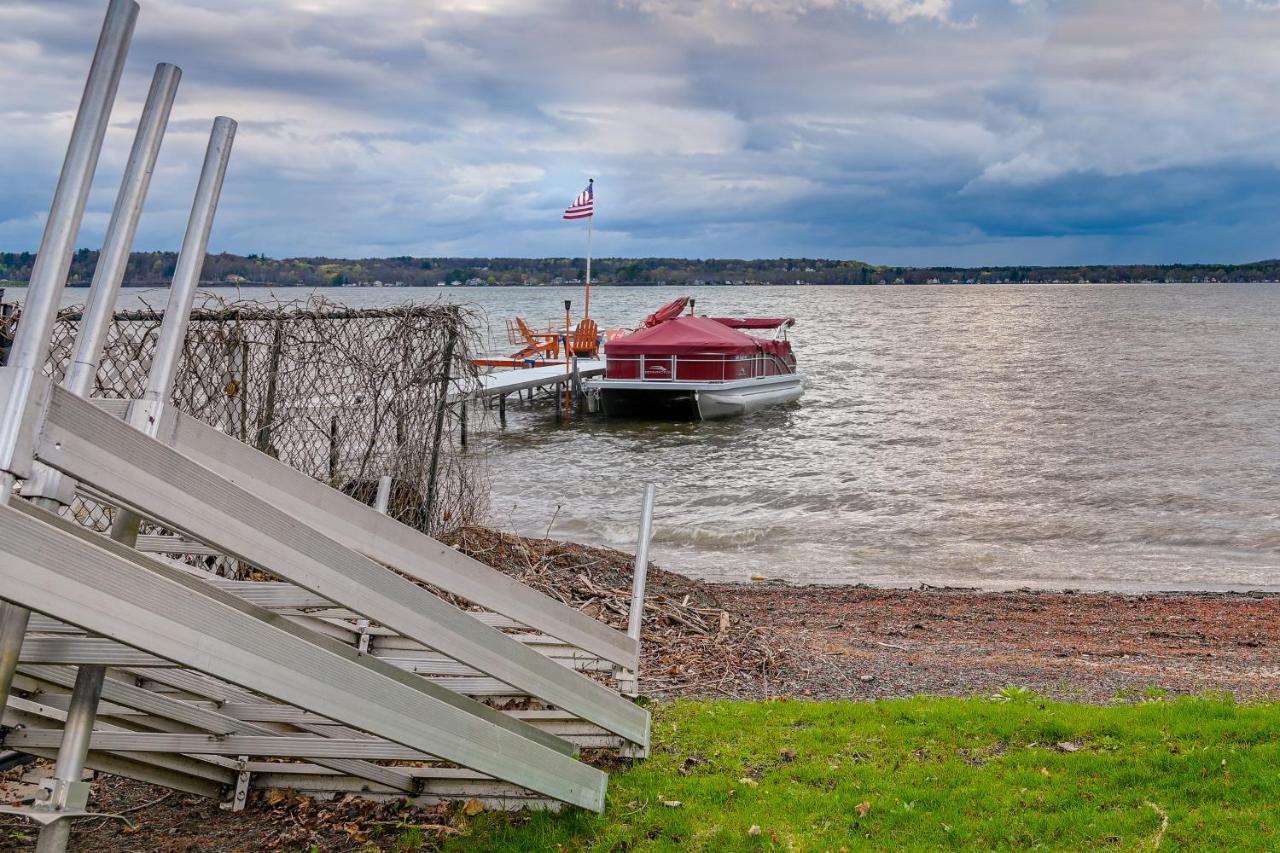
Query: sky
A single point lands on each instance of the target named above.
(914, 132)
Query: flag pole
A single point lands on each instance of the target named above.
(586, 309)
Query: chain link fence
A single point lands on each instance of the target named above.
(344, 395)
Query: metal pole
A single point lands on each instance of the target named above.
(49, 275)
(72, 754)
(628, 682)
(383, 498)
(586, 310)
(576, 386)
(186, 275)
(114, 258)
(13, 628)
(46, 483)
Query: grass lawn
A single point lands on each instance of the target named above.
(923, 774)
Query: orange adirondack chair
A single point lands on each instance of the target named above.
(536, 345)
(586, 339)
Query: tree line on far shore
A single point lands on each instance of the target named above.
(156, 269)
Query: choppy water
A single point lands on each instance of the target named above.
(1085, 436)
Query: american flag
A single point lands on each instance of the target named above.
(583, 205)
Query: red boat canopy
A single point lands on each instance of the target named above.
(667, 312)
(755, 322)
(685, 335)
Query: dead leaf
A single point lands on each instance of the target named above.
(1044, 771)
(749, 782)
(472, 808)
(863, 808)
(724, 621)
(1068, 746)
(671, 804)
(754, 830)
(759, 578)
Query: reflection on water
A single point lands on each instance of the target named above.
(1084, 436)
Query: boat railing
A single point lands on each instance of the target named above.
(709, 367)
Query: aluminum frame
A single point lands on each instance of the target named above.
(50, 572)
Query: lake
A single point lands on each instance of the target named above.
(1084, 436)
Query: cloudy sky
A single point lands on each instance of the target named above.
(896, 131)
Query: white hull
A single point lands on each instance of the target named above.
(706, 400)
(720, 402)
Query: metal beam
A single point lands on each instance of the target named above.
(47, 571)
(130, 768)
(213, 722)
(25, 715)
(277, 746)
(85, 650)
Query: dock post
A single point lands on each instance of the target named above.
(568, 357)
(30, 347)
(628, 681)
(502, 409)
(462, 423)
(382, 499)
(576, 386)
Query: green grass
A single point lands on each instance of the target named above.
(932, 774)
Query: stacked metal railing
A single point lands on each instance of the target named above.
(352, 665)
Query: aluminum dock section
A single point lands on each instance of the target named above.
(504, 382)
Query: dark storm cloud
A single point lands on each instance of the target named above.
(973, 131)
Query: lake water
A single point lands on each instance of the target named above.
(1091, 436)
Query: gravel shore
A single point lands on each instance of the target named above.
(859, 643)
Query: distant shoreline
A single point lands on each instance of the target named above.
(148, 269)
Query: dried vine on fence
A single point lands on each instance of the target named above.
(345, 395)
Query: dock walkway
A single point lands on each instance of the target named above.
(503, 382)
